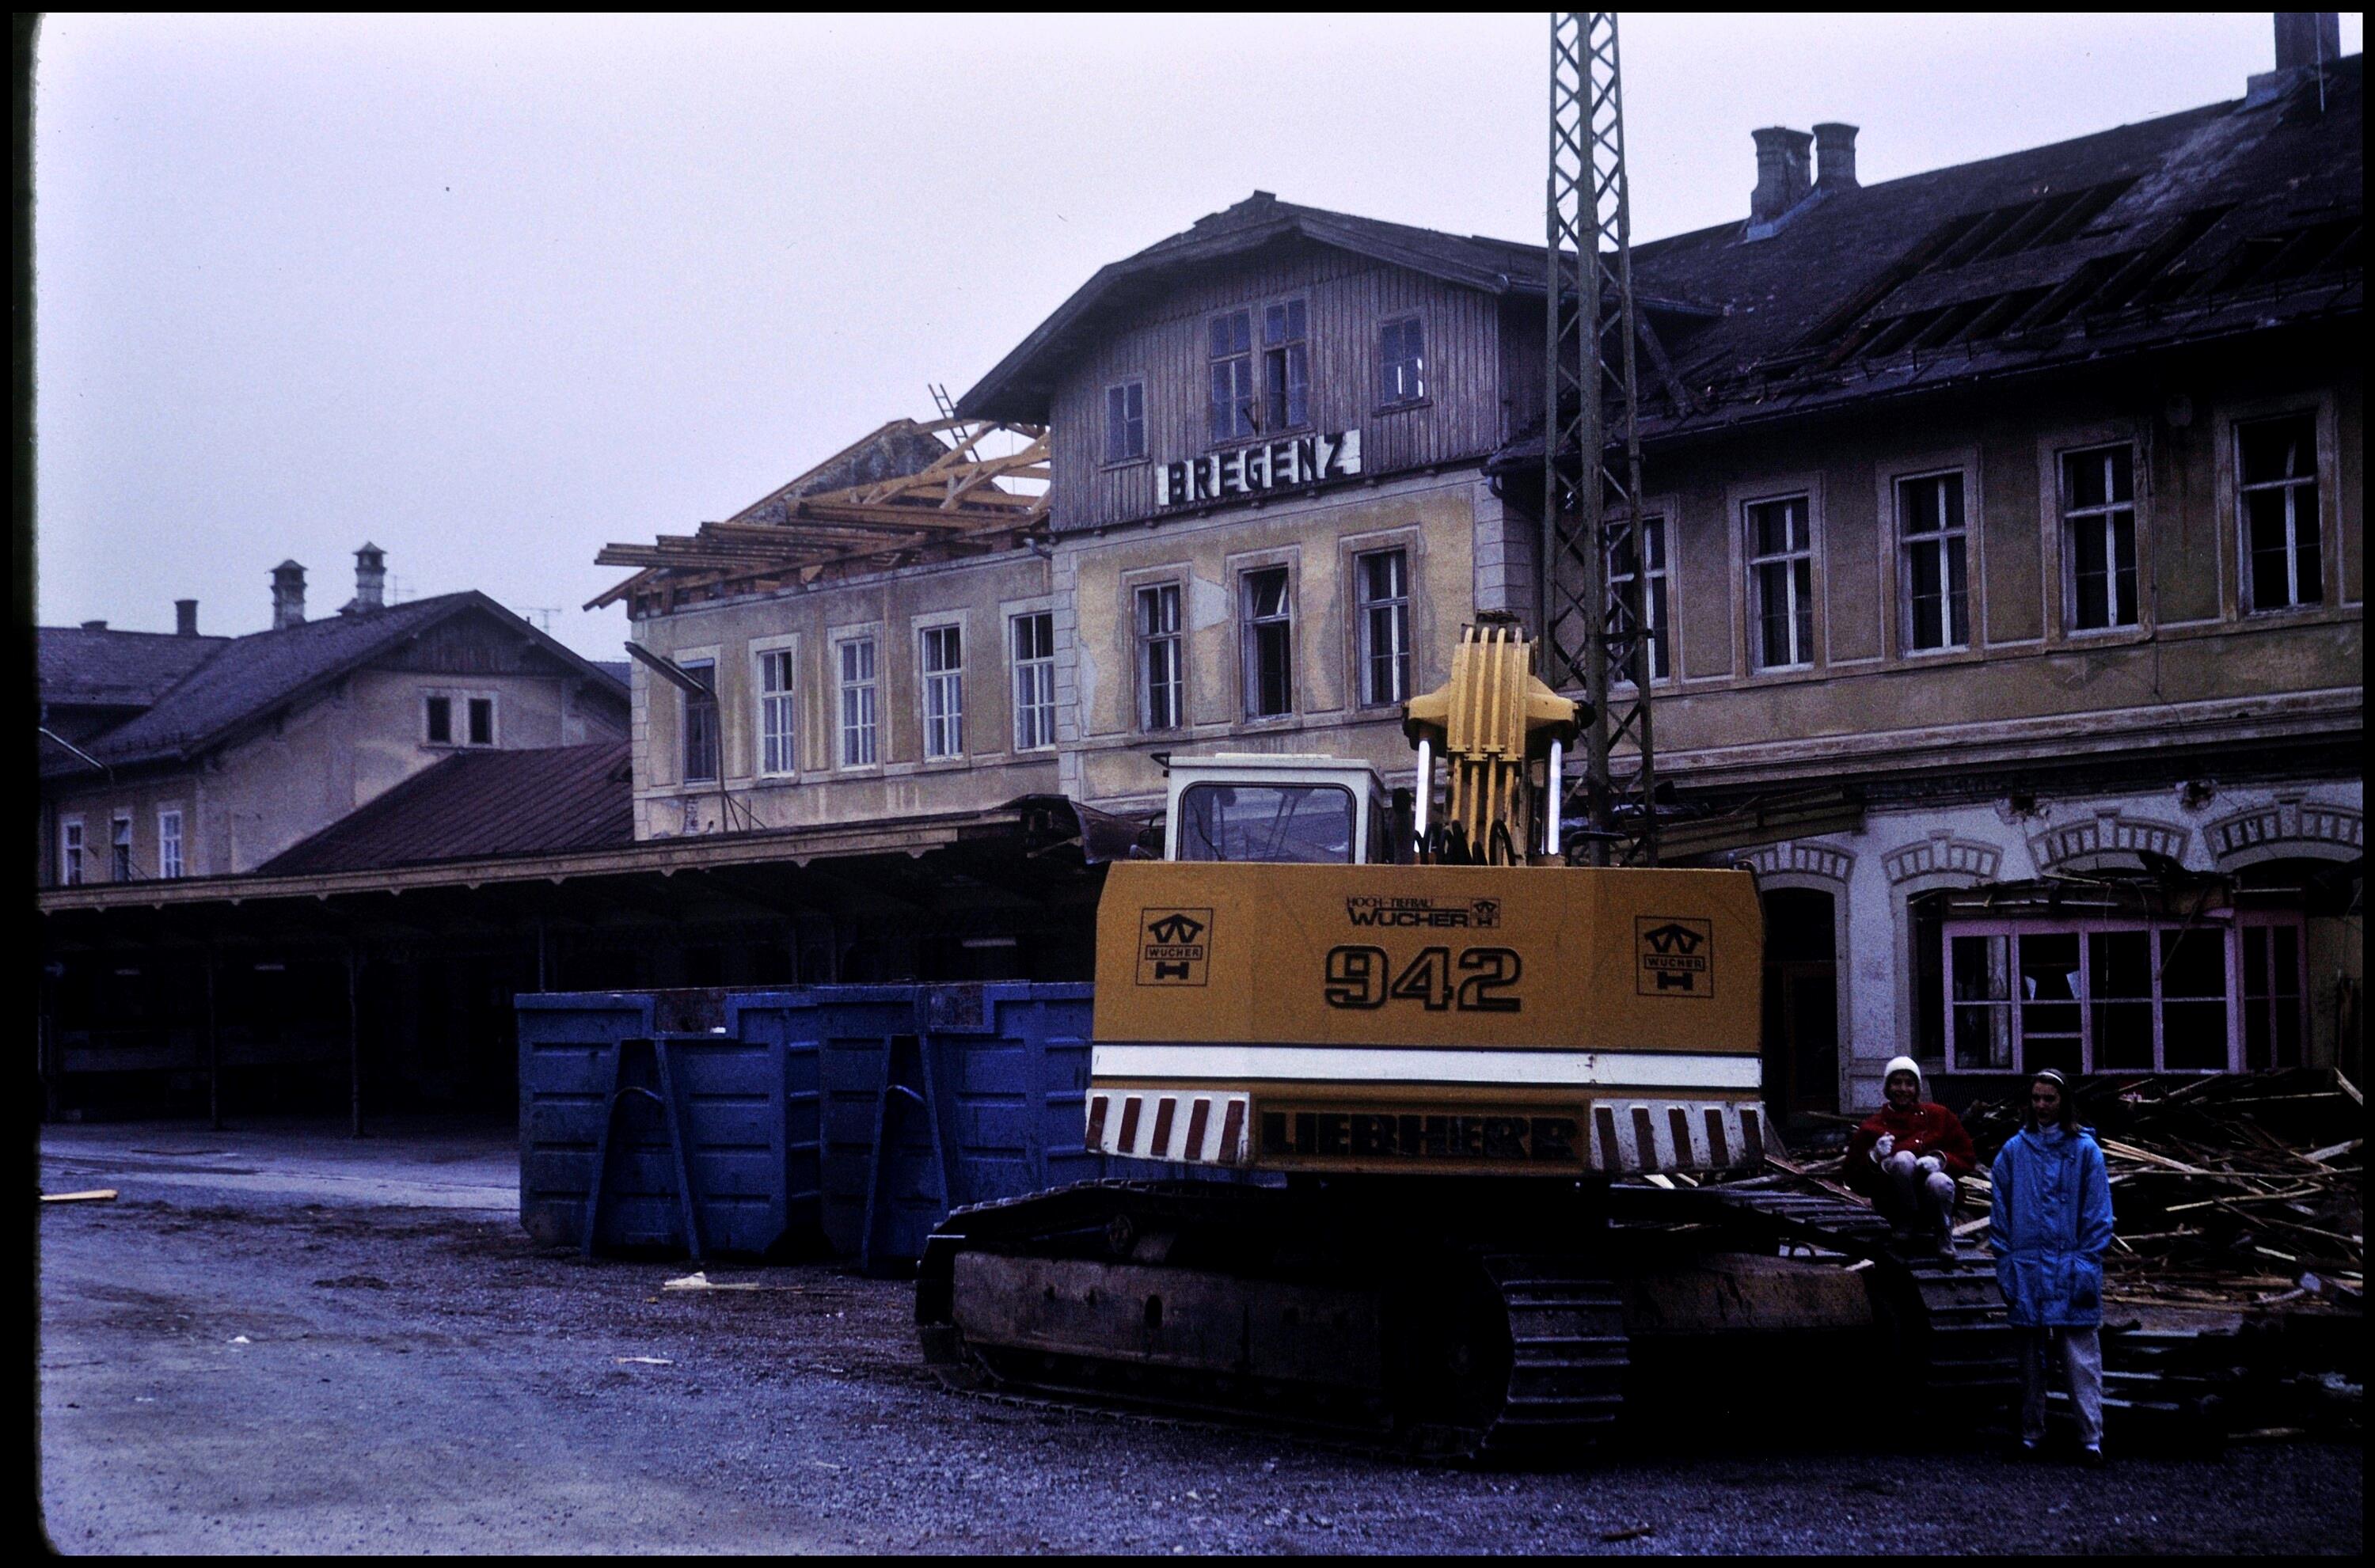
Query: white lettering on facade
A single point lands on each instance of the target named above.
(1248, 470)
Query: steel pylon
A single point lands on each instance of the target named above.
(1595, 638)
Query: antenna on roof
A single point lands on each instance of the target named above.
(540, 614)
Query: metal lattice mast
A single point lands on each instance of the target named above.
(1591, 451)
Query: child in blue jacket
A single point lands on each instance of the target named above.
(2049, 1228)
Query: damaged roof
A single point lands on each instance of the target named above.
(2235, 216)
(477, 805)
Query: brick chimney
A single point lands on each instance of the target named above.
(2308, 38)
(1835, 156)
(370, 581)
(1781, 173)
(2306, 42)
(287, 595)
(186, 618)
(94, 626)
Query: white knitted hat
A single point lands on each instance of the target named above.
(1904, 1065)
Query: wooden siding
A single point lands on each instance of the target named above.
(1349, 297)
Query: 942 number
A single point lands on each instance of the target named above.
(1480, 980)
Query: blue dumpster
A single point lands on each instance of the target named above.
(632, 1137)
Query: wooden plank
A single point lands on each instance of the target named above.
(94, 1194)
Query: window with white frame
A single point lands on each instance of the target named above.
(481, 717)
(1781, 584)
(2275, 470)
(2123, 995)
(437, 719)
(1623, 566)
(1401, 362)
(1231, 415)
(1269, 652)
(70, 852)
(1126, 421)
(119, 849)
(775, 713)
(1382, 578)
(1932, 563)
(1035, 680)
(858, 687)
(1161, 681)
(2099, 523)
(943, 670)
(169, 843)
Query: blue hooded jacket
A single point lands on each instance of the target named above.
(2050, 1226)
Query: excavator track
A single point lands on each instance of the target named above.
(1511, 1353)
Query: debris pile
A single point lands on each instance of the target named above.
(2240, 1190)
(2238, 1195)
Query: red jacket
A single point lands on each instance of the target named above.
(1925, 1130)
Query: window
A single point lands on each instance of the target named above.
(2123, 995)
(1034, 681)
(482, 721)
(1623, 566)
(775, 697)
(2272, 996)
(1401, 362)
(1932, 565)
(943, 663)
(1781, 584)
(1159, 686)
(1304, 823)
(1233, 376)
(70, 852)
(169, 843)
(701, 721)
(1126, 421)
(439, 711)
(857, 685)
(1269, 643)
(2276, 467)
(1286, 368)
(2098, 514)
(119, 850)
(1384, 583)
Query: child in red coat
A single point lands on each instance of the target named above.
(1906, 1157)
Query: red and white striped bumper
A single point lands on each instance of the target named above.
(1198, 1127)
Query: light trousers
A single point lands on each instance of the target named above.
(2081, 1354)
(1909, 1197)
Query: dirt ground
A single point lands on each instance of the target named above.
(277, 1339)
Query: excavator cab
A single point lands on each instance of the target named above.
(1277, 809)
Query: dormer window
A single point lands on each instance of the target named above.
(1233, 376)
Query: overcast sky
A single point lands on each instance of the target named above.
(490, 293)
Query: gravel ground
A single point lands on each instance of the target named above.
(281, 1341)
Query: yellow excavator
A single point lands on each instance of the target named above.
(1451, 1100)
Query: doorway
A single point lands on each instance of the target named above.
(1801, 1003)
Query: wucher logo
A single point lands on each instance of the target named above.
(1173, 945)
(1676, 956)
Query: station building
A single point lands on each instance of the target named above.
(2004, 554)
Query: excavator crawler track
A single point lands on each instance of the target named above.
(1499, 1352)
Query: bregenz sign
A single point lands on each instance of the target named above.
(1249, 470)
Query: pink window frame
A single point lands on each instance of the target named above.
(2231, 925)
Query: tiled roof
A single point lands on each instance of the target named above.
(83, 667)
(479, 804)
(248, 677)
(2235, 217)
